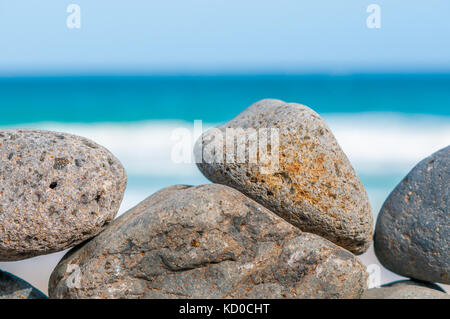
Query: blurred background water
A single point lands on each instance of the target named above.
(133, 74)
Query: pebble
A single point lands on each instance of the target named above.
(406, 289)
(12, 287)
(412, 235)
(56, 190)
(302, 175)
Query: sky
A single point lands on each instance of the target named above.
(222, 36)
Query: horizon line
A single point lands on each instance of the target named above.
(219, 74)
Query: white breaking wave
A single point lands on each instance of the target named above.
(376, 143)
(382, 143)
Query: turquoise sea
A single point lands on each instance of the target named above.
(385, 123)
(213, 98)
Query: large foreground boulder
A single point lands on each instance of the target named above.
(285, 157)
(12, 287)
(56, 190)
(413, 228)
(208, 241)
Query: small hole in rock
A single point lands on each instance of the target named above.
(53, 185)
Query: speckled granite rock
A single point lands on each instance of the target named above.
(413, 228)
(406, 289)
(56, 190)
(12, 287)
(314, 188)
(208, 241)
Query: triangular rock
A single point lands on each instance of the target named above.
(285, 157)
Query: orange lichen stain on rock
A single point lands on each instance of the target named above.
(406, 236)
(307, 174)
(312, 170)
(332, 195)
(195, 243)
(315, 173)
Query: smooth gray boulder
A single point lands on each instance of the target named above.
(413, 228)
(208, 241)
(12, 287)
(406, 289)
(56, 190)
(302, 175)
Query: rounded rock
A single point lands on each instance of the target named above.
(56, 190)
(12, 287)
(413, 226)
(208, 241)
(303, 175)
(406, 289)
